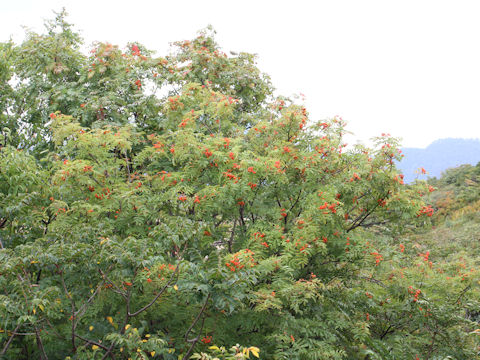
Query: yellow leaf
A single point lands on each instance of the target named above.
(110, 319)
(34, 311)
(94, 347)
(147, 335)
(175, 287)
(41, 307)
(90, 328)
(214, 348)
(152, 353)
(255, 351)
(127, 326)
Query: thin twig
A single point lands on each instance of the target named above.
(113, 284)
(82, 309)
(10, 339)
(130, 179)
(88, 341)
(195, 340)
(230, 242)
(170, 281)
(72, 304)
(430, 347)
(40, 345)
(197, 318)
(463, 292)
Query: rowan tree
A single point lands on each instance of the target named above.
(157, 207)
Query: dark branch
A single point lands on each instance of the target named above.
(9, 341)
(170, 281)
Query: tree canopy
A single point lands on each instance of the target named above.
(173, 207)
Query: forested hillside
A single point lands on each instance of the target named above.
(439, 156)
(172, 207)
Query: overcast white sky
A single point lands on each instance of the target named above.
(410, 68)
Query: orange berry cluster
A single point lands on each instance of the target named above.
(354, 177)
(236, 263)
(426, 210)
(415, 293)
(331, 207)
(206, 339)
(378, 257)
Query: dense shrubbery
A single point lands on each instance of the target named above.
(172, 207)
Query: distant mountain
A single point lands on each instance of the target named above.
(439, 156)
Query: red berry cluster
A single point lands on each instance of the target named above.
(240, 259)
(206, 339)
(378, 257)
(415, 293)
(426, 210)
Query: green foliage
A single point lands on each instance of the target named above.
(154, 207)
(458, 192)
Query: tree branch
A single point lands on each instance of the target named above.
(72, 303)
(130, 179)
(195, 340)
(119, 291)
(170, 281)
(88, 341)
(9, 341)
(43, 355)
(230, 242)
